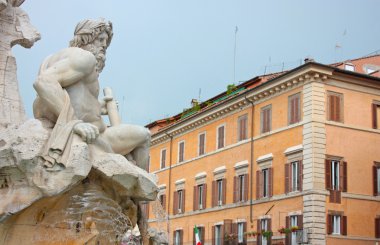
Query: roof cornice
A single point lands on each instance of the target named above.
(306, 73)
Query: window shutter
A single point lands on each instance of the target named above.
(377, 227)
(328, 174)
(258, 187)
(195, 199)
(227, 226)
(270, 182)
(374, 116)
(204, 196)
(202, 229)
(224, 182)
(181, 236)
(244, 232)
(174, 237)
(214, 195)
(338, 115)
(375, 180)
(330, 100)
(287, 177)
(164, 202)
(163, 158)
(300, 175)
(235, 229)
(270, 229)
(244, 128)
(246, 186)
(344, 225)
(297, 109)
(288, 240)
(183, 201)
(344, 179)
(329, 223)
(222, 235)
(236, 188)
(194, 235)
(292, 110)
(300, 221)
(213, 234)
(175, 202)
(259, 231)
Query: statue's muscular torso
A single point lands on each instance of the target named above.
(74, 70)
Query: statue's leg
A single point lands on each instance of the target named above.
(134, 139)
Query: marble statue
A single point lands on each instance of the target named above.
(67, 169)
(15, 29)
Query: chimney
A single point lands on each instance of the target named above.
(194, 102)
(308, 59)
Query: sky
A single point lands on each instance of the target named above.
(164, 53)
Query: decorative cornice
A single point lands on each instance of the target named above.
(256, 95)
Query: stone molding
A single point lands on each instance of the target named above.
(257, 95)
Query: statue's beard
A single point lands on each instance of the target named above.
(99, 54)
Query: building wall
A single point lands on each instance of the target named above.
(354, 140)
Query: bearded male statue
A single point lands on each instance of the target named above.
(68, 90)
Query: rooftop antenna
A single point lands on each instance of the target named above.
(236, 30)
(199, 94)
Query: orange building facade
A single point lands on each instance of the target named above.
(280, 159)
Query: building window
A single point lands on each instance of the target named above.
(162, 199)
(179, 202)
(294, 108)
(220, 137)
(376, 179)
(266, 119)
(178, 237)
(264, 183)
(218, 235)
(242, 127)
(264, 227)
(336, 179)
(334, 175)
(201, 145)
(375, 114)
(199, 197)
(377, 227)
(240, 232)
(163, 158)
(337, 224)
(293, 176)
(349, 67)
(241, 188)
(335, 107)
(181, 151)
(201, 233)
(293, 223)
(219, 184)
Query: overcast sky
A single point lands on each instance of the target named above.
(166, 52)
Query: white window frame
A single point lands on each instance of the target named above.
(265, 182)
(295, 175)
(219, 187)
(179, 147)
(241, 187)
(336, 229)
(335, 175)
(177, 240)
(264, 227)
(180, 198)
(224, 136)
(218, 235)
(204, 146)
(293, 222)
(240, 232)
(200, 196)
(162, 150)
(349, 67)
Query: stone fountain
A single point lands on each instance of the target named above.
(66, 177)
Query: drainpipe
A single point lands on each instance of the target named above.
(170, 180)
(251, 189)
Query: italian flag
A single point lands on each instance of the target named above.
(197, 240)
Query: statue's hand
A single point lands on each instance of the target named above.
(87, 131)
(103, 107)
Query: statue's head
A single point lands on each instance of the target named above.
(94, 36)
